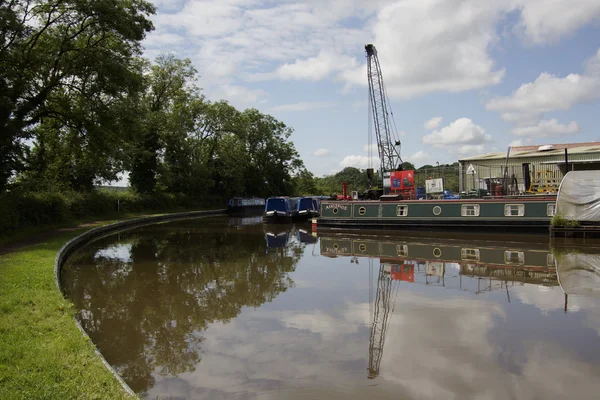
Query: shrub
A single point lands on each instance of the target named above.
(25, 209)
(560, 221)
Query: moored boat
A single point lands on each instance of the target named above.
(306, 208)
(527, 214)
(245, 206)
(279, 209)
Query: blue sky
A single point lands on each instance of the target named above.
(465, 77)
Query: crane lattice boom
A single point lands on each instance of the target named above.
(389, 152)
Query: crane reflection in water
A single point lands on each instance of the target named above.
(475, 267)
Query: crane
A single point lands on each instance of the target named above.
(388, 146)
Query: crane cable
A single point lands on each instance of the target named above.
(395, 133)
(370, 144)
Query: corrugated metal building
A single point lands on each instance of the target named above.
(537, 168)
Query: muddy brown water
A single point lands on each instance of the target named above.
(216, 308)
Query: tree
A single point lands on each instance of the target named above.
(407, 166)
(169, 84)
(52, 50)
(305, 184)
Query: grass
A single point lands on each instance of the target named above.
(43, 355)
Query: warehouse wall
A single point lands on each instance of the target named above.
(545, 175)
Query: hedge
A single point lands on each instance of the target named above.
(20, 210)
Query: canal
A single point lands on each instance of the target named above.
(230, 308)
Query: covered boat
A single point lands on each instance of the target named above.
(280, 209)
(306, 208)
(579, 197)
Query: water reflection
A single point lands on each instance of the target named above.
(220, 309)
(146, 297)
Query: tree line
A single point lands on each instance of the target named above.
(79, 104)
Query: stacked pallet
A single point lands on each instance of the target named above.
(546, 181)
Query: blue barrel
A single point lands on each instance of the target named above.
(421, 193)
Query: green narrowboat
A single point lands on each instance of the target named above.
(527, 214)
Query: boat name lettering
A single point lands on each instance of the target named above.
(341, 207)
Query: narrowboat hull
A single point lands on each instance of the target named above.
(490, 215)
(277, 217)
(302, 216)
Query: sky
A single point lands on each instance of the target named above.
(464, 77)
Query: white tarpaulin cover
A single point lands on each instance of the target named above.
(579, 273)
(579, 196)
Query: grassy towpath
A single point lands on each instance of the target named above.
(43, 355)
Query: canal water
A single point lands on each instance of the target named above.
(219, 308)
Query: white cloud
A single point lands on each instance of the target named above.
(312, 68)
(240, 96)
(444, 47)
(445, 44)
(460, 132)
(547, 129)
(302, 106)
(158, 39)
(544, 21)
(419, 157)
(360, 162)
(550, 93)
(520, 142)
(321, 153)
(469, 149)
(433, 123)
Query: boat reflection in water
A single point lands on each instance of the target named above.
(282, 235)
(578, 272)
(245, 221)
(488, 265)
(474, 266)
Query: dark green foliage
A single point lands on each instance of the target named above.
(357, 180)
(23, 210)
(78, 106)
(68, 63)
(447, 171)
(560, 221)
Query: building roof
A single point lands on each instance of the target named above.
(533, 151)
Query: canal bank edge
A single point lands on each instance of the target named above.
(68, 248)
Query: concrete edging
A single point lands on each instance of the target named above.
(68, 248)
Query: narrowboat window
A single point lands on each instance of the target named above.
(401, 211)
(551, 209)
(514, 257)
(470, 254)
(514, 210)
(362, 210)
(469, 210)
(402, 250)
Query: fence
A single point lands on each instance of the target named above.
(511, 178)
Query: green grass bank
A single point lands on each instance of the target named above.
(43, 355)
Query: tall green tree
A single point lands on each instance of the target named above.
(272, 157)
(51, 50)
(169, 83)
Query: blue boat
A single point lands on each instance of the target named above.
(307, 207)
(280, 209)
